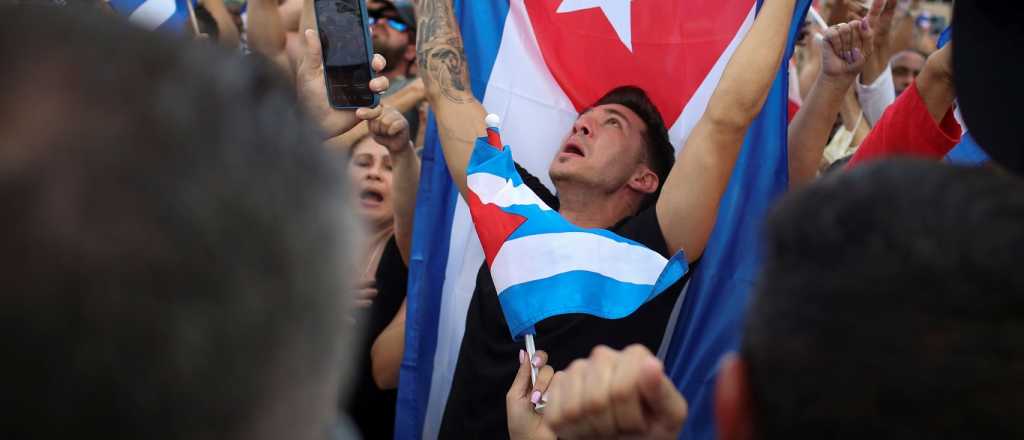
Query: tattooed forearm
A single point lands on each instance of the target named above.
(440, 54)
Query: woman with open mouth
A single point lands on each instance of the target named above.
(382, 166)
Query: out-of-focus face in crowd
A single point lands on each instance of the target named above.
(369, 170)
(906, 66)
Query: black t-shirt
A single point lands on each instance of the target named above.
(373, 409)
(489, 358)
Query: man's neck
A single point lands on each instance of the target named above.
(588, 209)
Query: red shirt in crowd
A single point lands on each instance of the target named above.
(907, 129)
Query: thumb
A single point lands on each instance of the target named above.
(521, 385)
(312, 56)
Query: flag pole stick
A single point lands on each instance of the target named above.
(192, 18)
(817, 18)
(531, 350)
(494, 138)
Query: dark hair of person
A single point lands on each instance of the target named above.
(889, 306)
(659, 153)
(172, 234)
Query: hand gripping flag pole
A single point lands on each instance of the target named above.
(494, 139)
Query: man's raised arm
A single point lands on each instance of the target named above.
(688, 205)
(443, 67)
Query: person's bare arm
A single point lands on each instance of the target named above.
(809, 131)
(935, 82)
(403, 100)
(390, 129)
(266, 34)
(386, 353)
(881, 17)
(688, 205)
(227, 31)
(443, 67)
(903, 29)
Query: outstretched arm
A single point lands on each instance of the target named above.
(266, 34)
(386, 353)
(688, 205)
(443, 67)
(844, 50)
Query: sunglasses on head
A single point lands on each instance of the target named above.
(392, 23)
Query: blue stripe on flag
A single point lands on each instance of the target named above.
(582, 292)
(435, 207)
(709, 323)
(178, 23)
(125, 7)
(967, 152)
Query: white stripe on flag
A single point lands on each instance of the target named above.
(500, 191)
(522, 91)
(536, 257)
(153, 13)
(682, 127)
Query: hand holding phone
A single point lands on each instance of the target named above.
(345, 39)
(312, 89)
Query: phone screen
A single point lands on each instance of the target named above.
(346, 54)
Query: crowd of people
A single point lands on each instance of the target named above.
(198, 245)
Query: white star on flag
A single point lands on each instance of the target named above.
(616, 11)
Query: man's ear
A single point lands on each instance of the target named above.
(644, 181)
(734, 417)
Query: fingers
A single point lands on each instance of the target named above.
(889, 11)
(847, 42)
(378, 63)
(540, 387)
(369, 113)
(834, 41)
(564, 411)
(856, 42)
(876, 9)
(521, 384)
(312, 56)
(379, 84)
(629, 412)
(866, 38)
(596, 396)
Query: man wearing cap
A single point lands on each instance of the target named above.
(394, 37)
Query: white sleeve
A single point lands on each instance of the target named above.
(875, 98)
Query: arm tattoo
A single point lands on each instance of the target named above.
(440, 55)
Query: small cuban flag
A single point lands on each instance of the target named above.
(541, 264)
(162, 15)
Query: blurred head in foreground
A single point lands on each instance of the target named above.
(172, 234)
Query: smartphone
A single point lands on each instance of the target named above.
(347, 51)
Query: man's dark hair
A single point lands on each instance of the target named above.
(659, 153)
(172, 236)
(890, 306)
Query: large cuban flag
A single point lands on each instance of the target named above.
(541, 264)
(536, 64)
(161, 15)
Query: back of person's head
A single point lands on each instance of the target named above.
(890, 306)
(659, 152)
(172, 239)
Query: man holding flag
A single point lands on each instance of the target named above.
(608, 174)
